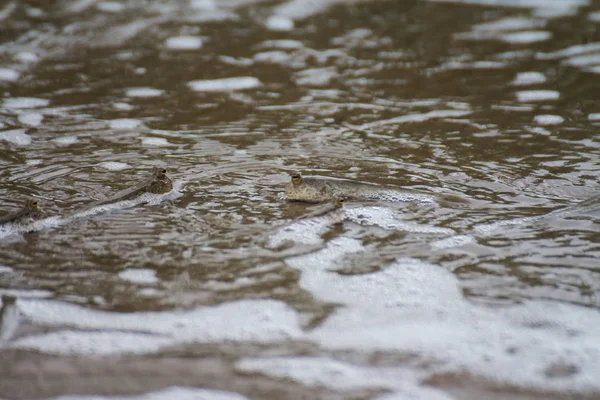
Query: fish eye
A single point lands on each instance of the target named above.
(34, 203)
(163, 171)
(341, 200)
(295, 176)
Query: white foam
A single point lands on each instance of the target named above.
(8, 10)
(340, 376)
(14, 103)
(539, 130)
(203, 4)
(114, 165)
(528, 78)
(9, 75)
(570, 51)
(123, 106)
(26, 57)
(306, 231)
(155, 141)
(315, 76)
(211, 16)
(287, 44)
(452, 241)
(170, 393)
(143, 92)
(547, 119)
(537, 4)
(139, 275)
(510, 24)
(124, 123)
(11, 229)
(184, 43)
(420, 117)
(583, 60)
(279, 23)
(275, 57)
(225, 84)
(557, 12)
(386, 218)
(594, 117)
(6, 270)
(29, 294)
(595, 69)
(11, 320)
(35, 12)
(259, 321)
(31, 119)
(594, 16)
(110, 6)
(66, 140)
(93, 343)
(526, 37)
(16, 136)
(537, 95)
(412, 307)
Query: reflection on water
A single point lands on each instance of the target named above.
(218, 283)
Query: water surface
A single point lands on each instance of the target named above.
(491, 100)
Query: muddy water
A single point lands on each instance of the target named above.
(493, 101)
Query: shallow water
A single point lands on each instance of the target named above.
(184, 296)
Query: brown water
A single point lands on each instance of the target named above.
(494, 103)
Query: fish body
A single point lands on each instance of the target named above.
(315, 189)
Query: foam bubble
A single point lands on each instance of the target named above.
(203, 4)
(583, 60)
(139, 275)
(537, 4)
(537, 95)
(594, 117)
(6, 270)
(66, 140)
(528, 78)
(123, 106)
(9, 75)
(526, 37)
(276, 57)
(26, 57)
(548, 119)
(452, 241)
(315, 76)
(16, 136)
(143, 92)
(510, 24)
(177, 392)
(114, 165)
(260, 321)
(418, 117)
(281, 44)
(155, 141)
(279, 23)
(184, 43)
(570, 51)
(124, 123)
(388, 219)
(594, 16)
(93, 343)
(540, 131)
(225, 84)
(31, 119)
(306, 231)
(110, 6)
(341, 376)
(24, 102)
